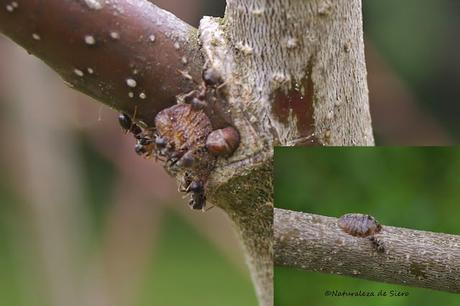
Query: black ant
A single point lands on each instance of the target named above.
(184, 139)
(176, 159)
(144, 142)
(212, 80)
(198, 199)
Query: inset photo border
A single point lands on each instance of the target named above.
(400, 246)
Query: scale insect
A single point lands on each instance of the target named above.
(364, 226)
(359, 225)
(184, 139)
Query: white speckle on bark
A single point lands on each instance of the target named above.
(95, 4)
(142, 95)
(78, 72)
(90, 70)
(177, 45)
(152, 38)
(90, 40)
(131, 94)
(14, 4)
(131, 82)
(184, 60)
(115, 35)
(9, 8)
(36, 36)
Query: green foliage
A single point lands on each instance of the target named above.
(188, 270)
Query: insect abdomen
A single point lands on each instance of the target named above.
(359, 225)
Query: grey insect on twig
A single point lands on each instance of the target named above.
(364, 226)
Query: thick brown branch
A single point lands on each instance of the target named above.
(97, 46)
(410, 257)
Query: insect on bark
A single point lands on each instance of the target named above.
(359, 225)
(184, 139)
(364, 226)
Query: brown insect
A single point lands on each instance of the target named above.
(180, 137)
(183, 138)
(208, 90)
(223, 142)
(359, 225)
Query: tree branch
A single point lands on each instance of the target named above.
(410, 257)
(96, 46)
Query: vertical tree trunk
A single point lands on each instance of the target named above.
(294, 74)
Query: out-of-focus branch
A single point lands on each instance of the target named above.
(130, 55)
(397, 116)
(410, 257)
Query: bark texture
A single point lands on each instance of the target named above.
(294, 74)
(304, 69)
(96, 46)
(410, 257)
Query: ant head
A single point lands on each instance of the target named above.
(196, 186)
(125, 121)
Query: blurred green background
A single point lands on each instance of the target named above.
(84, 221)
(415, 188)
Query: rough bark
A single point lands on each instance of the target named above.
(410, 257)
(294, 75)
(302, 69)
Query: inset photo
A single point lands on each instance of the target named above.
(367, 226)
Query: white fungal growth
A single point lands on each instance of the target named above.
(90, 40)
(36, 36)
(142, 95)
(152, 38)
(115, 35)
(176, 45)
(131, 82)
(78, 72)
(94, 4)
(90, 70)
(131, 94)
(184, 60)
